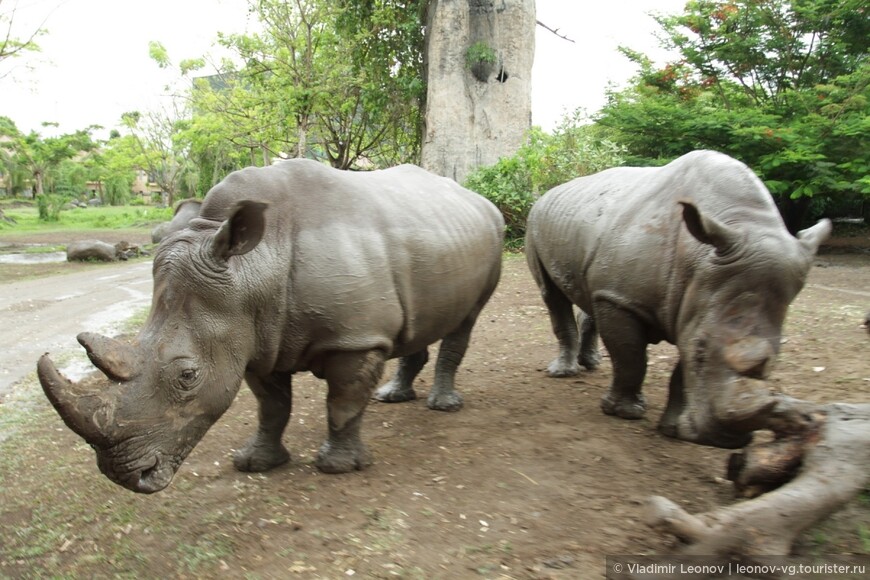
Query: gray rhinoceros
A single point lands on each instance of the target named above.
(289, 268)
(694, 253)
(185, 210)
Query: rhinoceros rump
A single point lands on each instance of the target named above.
(694, 253)
(289, 268)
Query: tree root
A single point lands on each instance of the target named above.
(818, 460)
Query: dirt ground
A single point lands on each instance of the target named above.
(528, 481)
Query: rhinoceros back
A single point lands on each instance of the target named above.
(621, 231)
(391, 259)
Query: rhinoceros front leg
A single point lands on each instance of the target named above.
(401, 387)
(351, 377)
(623, 334)
(669, 422)
(275, 401)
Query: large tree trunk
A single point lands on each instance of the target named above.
(480, 111)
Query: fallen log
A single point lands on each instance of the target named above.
(818, 460)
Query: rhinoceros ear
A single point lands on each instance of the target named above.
(709, 231)
(810, 238)
(242, 231)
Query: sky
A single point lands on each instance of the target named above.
(94, 63)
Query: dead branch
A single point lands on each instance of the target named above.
(825, 448)
(553, 30)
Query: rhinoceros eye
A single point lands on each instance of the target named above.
(187, 378)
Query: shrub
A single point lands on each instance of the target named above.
(50, 205)
(543, 162)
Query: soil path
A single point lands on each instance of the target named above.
(47, 313)
(529, 481)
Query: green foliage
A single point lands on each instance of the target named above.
(69, 179)
(780, 84)
(339, 81)
(480, 52)
(507, 184)
(50, 206)
(117, 190)
(545, 161)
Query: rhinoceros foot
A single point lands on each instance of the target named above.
(450, 401)
(560, 368)
(392, 392)
(256, 458)
(625, 407)
(342, 459)
(590, 360)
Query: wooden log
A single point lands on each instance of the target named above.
(833, 470)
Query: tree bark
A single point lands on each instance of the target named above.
(827, 447)
(473, 119)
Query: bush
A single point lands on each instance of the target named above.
(50, 205)
(118, 189)
(545, 161)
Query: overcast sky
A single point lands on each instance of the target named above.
(94, 63)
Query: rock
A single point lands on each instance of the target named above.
(96, 250)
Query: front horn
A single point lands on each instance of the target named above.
(80, 411)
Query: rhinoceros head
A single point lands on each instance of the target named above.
(183, 370)
(731, 319)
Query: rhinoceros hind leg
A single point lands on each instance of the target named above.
(275, 401)
(561, 312)
(351, 377)
(590, 355)
(401, 387)
(443, 396)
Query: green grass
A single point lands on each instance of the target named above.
(79, 219)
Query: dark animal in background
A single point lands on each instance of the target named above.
(694, 253)
(185, 210)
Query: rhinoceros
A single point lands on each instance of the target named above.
(694, 253)
(288, 268)
(185, 210)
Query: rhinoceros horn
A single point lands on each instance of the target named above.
(111, 356)
(80, 411)
(751, 357)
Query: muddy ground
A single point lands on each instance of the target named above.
(529, 480)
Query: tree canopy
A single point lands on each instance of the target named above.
(779, 84)
(340, 82)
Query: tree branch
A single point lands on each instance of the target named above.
(553, 30)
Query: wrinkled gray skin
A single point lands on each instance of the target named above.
(694, 253)
(289, 268)
(185, 211)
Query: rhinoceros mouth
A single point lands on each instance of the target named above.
(147, 475)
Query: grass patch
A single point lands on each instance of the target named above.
(85, 219)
